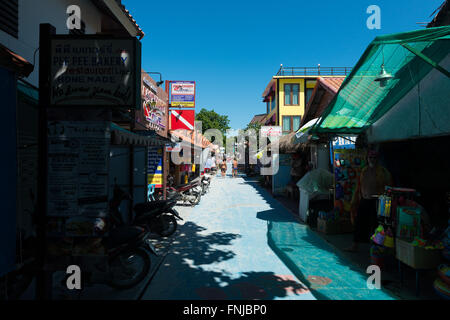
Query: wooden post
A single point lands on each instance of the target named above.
(43, 279)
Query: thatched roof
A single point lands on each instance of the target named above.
(286, 144)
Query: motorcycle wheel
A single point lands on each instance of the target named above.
(126, 264)
(17, 284)
(197, 199)
(166, 225)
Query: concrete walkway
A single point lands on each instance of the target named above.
(222, 251)
(240, 243)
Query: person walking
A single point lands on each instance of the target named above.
(372, 182)
(223, 167)
(235, 167)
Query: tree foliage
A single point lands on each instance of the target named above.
(212, 120)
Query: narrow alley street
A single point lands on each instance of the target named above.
(240, 243)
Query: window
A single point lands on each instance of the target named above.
(9, 17)
(309, 90)
(291, 94)
(290, 124)
(286, 124)
(272, 103)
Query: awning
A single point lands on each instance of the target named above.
(120, 136)
(14, 62)
(362, 100)
(302, 135)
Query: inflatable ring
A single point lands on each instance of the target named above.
(442, 289)
(444, 273)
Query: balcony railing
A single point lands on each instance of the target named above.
(314, 71)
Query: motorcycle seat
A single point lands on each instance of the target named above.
(150, 206)
(124, 234)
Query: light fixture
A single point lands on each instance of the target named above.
(383, 77)
(160, 82)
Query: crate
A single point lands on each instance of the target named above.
(417, 257)
(328, 227)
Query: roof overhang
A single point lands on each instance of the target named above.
(122, 16)
(12, 61)
(361, 100)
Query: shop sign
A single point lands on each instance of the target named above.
(182, 93)
(155, 167)
(95, 71)
(271, 131)
(150, 85)
(154, 105)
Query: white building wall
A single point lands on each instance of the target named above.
(34, 12)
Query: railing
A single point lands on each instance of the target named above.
(314, 71)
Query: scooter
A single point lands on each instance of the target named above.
(206, 181)
(127, 248)
(188, 193)
(158, 216)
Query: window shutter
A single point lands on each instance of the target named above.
(9, 17)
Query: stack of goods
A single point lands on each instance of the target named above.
(332, 215)
(442, 283)
(383, 240)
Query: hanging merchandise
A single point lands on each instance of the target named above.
(347, 168)
(384, 206)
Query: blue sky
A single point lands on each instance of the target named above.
(233, 48)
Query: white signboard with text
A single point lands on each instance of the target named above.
(94, 71)
(271, 131)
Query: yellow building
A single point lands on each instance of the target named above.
(288, 93)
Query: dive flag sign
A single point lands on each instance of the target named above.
(182, 119)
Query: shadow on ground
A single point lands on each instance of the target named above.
(317, 264)
(193, 276)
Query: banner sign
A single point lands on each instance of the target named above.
(182, 93)
(155, 167)
(95, 71)
(77, 201)
(182, 119)
(154, 106)
(271, 131)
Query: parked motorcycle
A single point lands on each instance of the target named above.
(159, 216)
(127, 247)
(206, 181)
(188, 193)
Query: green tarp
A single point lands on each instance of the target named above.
(361, 100)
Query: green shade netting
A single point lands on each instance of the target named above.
(361, 100)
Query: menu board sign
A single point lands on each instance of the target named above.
(77, 194)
